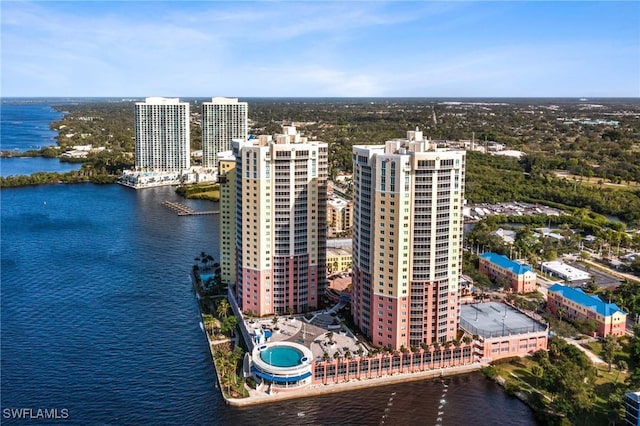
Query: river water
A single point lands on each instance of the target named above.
(98, 318)
(25, 126)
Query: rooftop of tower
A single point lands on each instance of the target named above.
(414, 142)
(289, 135)
(158, 100)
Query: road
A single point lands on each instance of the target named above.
(543, 285)
(610, 271)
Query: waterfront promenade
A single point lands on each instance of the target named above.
(324, 337)
(258, 397)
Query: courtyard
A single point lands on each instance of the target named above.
(322, 333)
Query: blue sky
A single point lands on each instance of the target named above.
(320, 48)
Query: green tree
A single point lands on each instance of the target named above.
(223, 308)
(537, 372)
(609, 348)
(622, 366)
(329, 335)
(228, 325)
(615, 406)
(633, 380)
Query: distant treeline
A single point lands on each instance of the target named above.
(493, 179)
(549, 131)
(41, 178)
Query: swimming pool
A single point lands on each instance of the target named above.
(283, 363)
(282, 356)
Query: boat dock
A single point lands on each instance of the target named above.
(183, 210)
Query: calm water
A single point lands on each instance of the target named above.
(15, 166)
(98, 317)
(24, 127)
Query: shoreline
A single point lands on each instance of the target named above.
(356, 384)
(259, 398)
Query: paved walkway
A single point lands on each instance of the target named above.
(593, 357)
(257, 397)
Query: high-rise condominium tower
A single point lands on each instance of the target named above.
(407, 241)
(227, 181)
(223, 119)
(280, 222)
(162, 135)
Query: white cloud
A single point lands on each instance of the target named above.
(290, 49)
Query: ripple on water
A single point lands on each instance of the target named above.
(98, 316)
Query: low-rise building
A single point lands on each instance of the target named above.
(575, 305)
(507, 235)
(148, 179)
(339, 215)
(502, 331)
(338, 259)
(520, 278)
(568, 273)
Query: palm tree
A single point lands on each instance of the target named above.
(329, 336)
(223, 308)
(537, 372)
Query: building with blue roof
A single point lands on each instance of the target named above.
(574, 304)
(500, 269)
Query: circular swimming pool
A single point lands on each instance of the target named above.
(282, 363)
(282, 356)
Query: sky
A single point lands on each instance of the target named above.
(320, 49)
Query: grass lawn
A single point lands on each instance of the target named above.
(596, 348)
(521, 369)
(605, 384)
(200, 191)
(209, 195)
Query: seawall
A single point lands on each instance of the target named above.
(316, 390)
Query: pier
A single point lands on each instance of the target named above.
(183, 210)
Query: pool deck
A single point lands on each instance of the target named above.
(313, 335)
(310, 335)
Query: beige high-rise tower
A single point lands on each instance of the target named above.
(280, 222)
(227, 182)
(407, 241)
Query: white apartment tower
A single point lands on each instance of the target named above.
(162, 135)
(407, 241)
(280, 222)
(223, 119)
